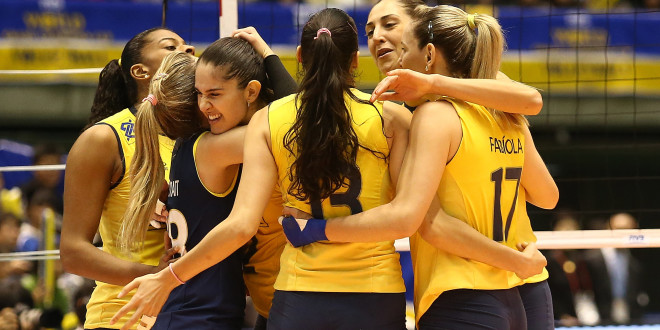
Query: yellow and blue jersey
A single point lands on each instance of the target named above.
(214, 298)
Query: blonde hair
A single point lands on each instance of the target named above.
(170, 109)
(472, 45)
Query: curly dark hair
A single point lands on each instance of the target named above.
(322, 137)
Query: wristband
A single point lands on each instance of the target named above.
(313, 231)
(176, 277)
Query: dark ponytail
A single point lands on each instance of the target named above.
(322, 137)
(116, 89)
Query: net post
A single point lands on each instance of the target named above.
(228, 17)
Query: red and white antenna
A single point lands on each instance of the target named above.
(228, 17)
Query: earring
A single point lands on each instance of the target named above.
(248, 102)
(427, 67)
(146, 76)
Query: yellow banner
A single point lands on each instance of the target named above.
(561, 72)
(55, 58)
(571, 72)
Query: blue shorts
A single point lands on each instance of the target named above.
(294, 310)
(260, 323)
(476, 309)
(537, 300)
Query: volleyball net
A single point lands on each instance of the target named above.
(596, 63)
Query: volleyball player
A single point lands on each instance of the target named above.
(327, 122)
(231, 85)
(384, 28)
(96, 182)
(262, 254)
(483, 168)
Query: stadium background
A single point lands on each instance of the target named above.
(597, 65)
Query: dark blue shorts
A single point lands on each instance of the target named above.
(294, 310)
(260, 323)
(476, 309)
(537, 300)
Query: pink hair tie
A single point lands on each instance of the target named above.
(322, 30)
(151, 98)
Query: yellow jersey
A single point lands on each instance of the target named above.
(329, 266)
(480, 186)
(104, 303)
(262, 258)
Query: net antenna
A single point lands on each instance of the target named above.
(164, 20)
(228, 17)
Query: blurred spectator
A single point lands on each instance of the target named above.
(16, 305)
(54, 304)
(651, 4)
(566, 3)
(31, 234)
(80, 300)
(529, 3)
(10, 199)
(9, 229)
(13, 294)
(51, 318)
(45, 154)
(617, 278)
(569, 281)
(8, 319)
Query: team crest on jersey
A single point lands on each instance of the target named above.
(127, 128)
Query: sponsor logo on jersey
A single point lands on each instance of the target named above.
(127, 128)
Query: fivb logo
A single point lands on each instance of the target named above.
(636, 239)
(127, 128)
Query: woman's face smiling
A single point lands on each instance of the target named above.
(221, 101)
(384, 29)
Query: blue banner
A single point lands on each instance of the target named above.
(197, 22)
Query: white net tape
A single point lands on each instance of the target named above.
(32, 168)
(578, 239)
(34, 255)
(547, 240)
(585, 239)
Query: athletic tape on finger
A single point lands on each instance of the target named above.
(146, 322)
(157, 210)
